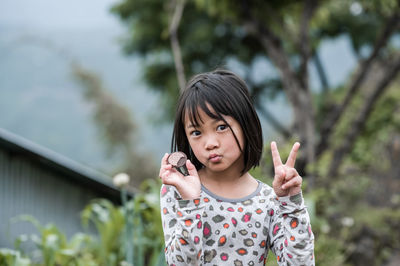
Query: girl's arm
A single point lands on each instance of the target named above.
(182, 226)
(290, 235)
(181, 212)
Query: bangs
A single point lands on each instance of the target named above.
(210, 100)
(192, 112)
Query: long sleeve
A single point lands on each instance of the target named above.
(183, 228)
(291, 238)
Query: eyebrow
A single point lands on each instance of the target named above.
(215, 121)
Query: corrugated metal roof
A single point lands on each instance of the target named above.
(83, 174)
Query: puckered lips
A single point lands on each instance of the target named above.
(214, 158)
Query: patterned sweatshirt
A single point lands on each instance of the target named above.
(219, 231)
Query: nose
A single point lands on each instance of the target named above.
(211, 142)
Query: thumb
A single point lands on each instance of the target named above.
(191, 168)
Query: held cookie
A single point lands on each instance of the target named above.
(178, 161)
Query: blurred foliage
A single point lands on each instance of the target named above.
(106, 247)
(116, 126)
(12, 257)
(114, 121)
(213, 33)
(355, 215)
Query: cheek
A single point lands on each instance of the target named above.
(196, 151)
(194, 146)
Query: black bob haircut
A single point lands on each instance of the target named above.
(226, 94)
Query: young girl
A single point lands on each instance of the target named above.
(219, 214)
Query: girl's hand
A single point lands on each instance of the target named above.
(286, 180)
(188, 186)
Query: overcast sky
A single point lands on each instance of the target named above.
(55, 14)
(51, 15)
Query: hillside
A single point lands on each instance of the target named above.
(41, 101)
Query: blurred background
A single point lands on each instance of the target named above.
(88, 90)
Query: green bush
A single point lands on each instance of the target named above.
(108, 247)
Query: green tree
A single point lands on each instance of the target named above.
(285, 33)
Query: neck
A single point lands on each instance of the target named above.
(228, 186)
(220, 177)
(228, 178)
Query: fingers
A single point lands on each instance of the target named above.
(164, 159)
(164, 165)
(171, 176)
(293, 154)
(287, 180)
(294, 182)
(191, 168)
(284, 174)
(279, 177)
(165, 171)
(290, 173)
(276, 158)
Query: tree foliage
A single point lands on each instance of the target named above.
(285, 33)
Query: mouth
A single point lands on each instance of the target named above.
(214, 158)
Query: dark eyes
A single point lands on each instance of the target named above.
(195, 133)
(222, 127)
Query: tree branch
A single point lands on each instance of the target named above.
(321, 73)
(358, 124)
(176, 49)
(298, 96)
(304, 40)
(327, 128)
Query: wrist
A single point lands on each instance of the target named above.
(188, 194)
(297, 199)
(295, 191)
(190, 197)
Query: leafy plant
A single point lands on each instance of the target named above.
(107, 247)
(12, 257)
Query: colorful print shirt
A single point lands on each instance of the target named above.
(218, 231)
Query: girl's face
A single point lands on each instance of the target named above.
(213, 143)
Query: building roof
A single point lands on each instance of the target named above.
(68, 167)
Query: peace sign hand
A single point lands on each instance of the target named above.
(188, 186)
(286, 180)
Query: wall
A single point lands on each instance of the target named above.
(28, 186)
